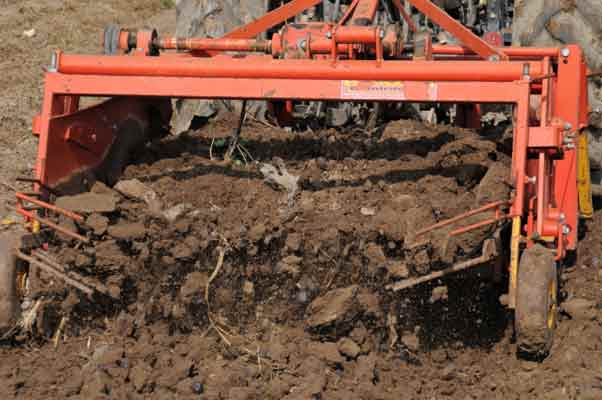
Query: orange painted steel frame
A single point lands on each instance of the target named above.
(544, 165)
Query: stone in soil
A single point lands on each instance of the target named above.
(127, 231)
(88, 203)
(336, 306)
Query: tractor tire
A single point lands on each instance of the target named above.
(536, 302)
(559, 22)
(10, 308)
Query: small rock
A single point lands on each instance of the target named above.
(98, 223)
(127, 231)
(438, 293)
(359, 334)
(367, 211)
(579, 308)
(133, 188)
(248, 290)
(293, 242)
(177, 211)
(98, 384)
(327, 351)
(194, 286)
(29, 33)
(257, 232)
(139, 375)
(290, 265)
(398, 271)
(181, 251)
(88, 203)
(449, 372)
(83, 260)
(411, 341)
(405, 202)
(335, 306)
(439, 356)
(349, 348)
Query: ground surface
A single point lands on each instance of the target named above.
(298, 308)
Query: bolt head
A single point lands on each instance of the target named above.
(565, 52)
(568, 126)
(329, 35)
(566, 230)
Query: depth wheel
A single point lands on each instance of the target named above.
(10, 308)
(536, 302)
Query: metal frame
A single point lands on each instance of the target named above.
(544, 205)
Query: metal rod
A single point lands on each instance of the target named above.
(51, 207)
(462, 216)
(59, 274)
(54, 226)
(408, 283)
(45, 258)
(261, 67)
(477, 225)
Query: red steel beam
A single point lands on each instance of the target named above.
(459, 31)
(264, 67)
(538, 52)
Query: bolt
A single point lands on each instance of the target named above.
(53, 63)
(303, 44)
(566, 230)
(382, 34)
(570, 146)
(494, 58)
(562, 216)
(329, 35)
(568, 126)
(565, 52)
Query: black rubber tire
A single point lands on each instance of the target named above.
(10, 308)
(536, 302)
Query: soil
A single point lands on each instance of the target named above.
(220, 284)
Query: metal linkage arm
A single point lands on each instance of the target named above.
(271, 19)
(459, 31)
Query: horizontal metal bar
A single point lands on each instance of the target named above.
(538, 52)
(266, 89)
(265, 67)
